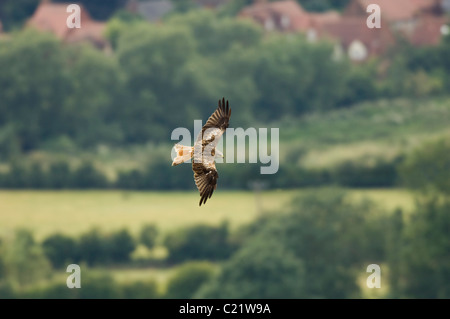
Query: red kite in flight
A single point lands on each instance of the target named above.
(204, 151)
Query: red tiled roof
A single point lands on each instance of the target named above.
(429, 31)
(299, 19)
(52, 17)
(320, 19)
(354, 28)
(395, 10)
(91, 30)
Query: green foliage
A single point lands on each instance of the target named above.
(87, 176)
(93, 286)
(159, 88)
(215, 36)
(93, 248)
(24, 259)
(100, 9)
(61, 250)
(95, 103)
(13, 13)
(233, 7)
(9, 142)
(99, 287)
(394, 254)
(51, 91)
(148, 235)
(427, 167)
(314, 250)
(188, 279)
(426, 262)
(57, 176)
(380, 173)
(60, 175)
(140, 290)
(96, 248)
(283, 89)
(182, 6)
(2, 262)
(33, 85)
(433, 60)
(7, 291)
(328, 234)
(120, 245)
(360, 84)
(200, 242)
(323, 5)
(118, 24)
(261, 269)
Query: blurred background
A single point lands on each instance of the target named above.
(86, 117)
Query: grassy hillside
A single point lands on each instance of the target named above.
(376, 129)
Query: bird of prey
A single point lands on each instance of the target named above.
(204, 151)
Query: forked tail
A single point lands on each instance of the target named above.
(184, 153)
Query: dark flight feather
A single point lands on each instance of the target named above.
(205, 172)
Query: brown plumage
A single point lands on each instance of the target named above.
(205, 172)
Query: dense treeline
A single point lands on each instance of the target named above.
(423, 168)
(159, 176)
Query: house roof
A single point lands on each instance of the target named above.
(446, 5)
(288, 15)
(397, 10)
(320, 19)
(52, 17)
(429, 31)
(91, 30)
(351, 29)
(298, 18)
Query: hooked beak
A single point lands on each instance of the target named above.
(219, 153)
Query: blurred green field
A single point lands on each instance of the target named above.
(73, 212)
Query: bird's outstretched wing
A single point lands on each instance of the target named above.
(216, 124)
(206, 180)
(205, 173)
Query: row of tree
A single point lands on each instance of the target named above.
(423, 168)
(94, 248)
